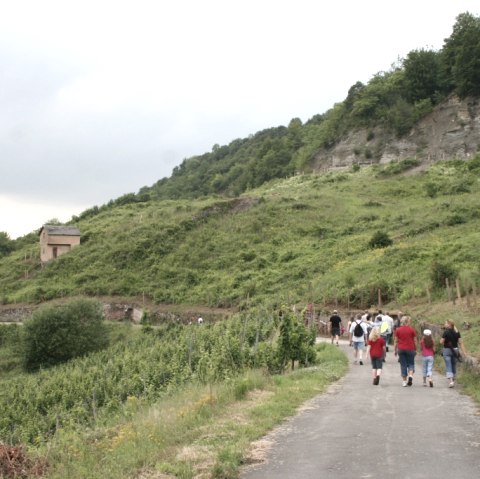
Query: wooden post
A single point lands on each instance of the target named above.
(379, 298)
(459, 292)
(449, 293)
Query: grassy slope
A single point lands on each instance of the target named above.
(306, 239)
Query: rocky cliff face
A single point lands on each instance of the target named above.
(450, 131)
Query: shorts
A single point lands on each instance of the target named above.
(335, 331)
(358, 345)
(377, 363)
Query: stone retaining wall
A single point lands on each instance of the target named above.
(119, 312)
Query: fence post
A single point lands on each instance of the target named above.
(459, 292)
(449, 293)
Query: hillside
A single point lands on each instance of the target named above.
(288, 214)
(305, 238)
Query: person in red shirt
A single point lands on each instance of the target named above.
(376, 349)
(405, 345)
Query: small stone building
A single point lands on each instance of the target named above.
(57, 240)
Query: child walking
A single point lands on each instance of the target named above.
(428, 352)
(376, 348)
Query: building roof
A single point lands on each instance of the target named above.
(59, 230)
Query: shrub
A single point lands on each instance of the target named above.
(440, 272)
(397, 167)
(455, 219)
(296, 342)
(56, 334)
(380, 240)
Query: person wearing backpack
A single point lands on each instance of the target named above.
(386, 328)
(357, 335)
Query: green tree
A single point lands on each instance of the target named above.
(56, 334)
(461, 56)
(6, 244)
(422, 75)
(401, 117)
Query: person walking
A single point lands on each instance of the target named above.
(427, 346)
(405, 346)
(357, 336)
(335, 326)
(451, 340)
(386, 329)
(376, 350)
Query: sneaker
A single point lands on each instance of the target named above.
(361, 363)
(374, 381)
(410, 381)
(378, 380)
(404, 383)
(424, 385)
(431, 383)
(451, 385)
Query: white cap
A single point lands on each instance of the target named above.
(427, 332)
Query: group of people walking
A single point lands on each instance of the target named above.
(374, 335)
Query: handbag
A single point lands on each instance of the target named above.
(456, 353)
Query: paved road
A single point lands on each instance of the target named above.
(358, 430)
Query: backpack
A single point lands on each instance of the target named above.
(384, 328)
(358, 331)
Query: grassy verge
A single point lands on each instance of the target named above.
(203, 431)
(470, 382)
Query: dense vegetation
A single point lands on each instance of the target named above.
(57, 334)
(144, 364)
(307, 238)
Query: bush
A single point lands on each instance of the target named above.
(397, 167)
(380, 240)
(56, 334)
(440, 272)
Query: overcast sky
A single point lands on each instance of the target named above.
(99, 98)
